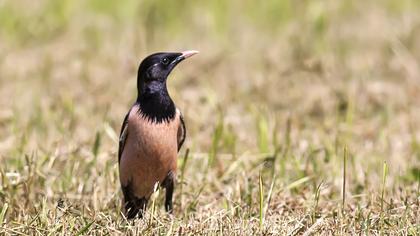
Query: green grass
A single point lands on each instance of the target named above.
(292, 109)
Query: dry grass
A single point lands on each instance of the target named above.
(279, 90)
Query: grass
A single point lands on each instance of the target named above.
(278, 93)
(345, 156)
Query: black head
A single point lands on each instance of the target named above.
(154, 70)
(153, 96)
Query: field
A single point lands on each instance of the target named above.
(303, 117)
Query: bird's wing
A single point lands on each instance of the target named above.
(182, 132)
(123, 136)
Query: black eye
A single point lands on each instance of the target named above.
(165, 61)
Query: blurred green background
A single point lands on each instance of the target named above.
(288, 83)
(63, 60)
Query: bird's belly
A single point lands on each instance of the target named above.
(150, 153)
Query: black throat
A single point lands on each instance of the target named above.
(156, 107)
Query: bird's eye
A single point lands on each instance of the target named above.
(165, 61)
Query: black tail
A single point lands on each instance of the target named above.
(134, 206)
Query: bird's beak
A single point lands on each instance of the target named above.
(189, 53)
(184, 55)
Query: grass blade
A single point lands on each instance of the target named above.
(261, 191)
(269, 195)
(3, 213)
(184, 165)
(344, 179)
(384, 173)
(85, 229)
(96, 144)
(317, 194)
(299, 182)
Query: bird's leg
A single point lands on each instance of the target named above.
(169, 183)
(134, 206)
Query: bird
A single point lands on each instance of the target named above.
(152, 133)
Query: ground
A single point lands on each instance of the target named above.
(303, 117)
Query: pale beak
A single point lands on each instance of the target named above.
(184, 55)
(189, 53)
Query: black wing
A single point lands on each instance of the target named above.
(182, 132)
(123, 136)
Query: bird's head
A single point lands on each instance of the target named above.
(154, 70)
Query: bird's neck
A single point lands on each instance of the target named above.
(157, 107)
